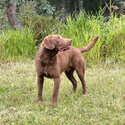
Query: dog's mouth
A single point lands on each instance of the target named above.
(66, 47)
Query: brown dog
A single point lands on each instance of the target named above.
(56, 56)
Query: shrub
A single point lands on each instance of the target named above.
(110, 46)
(41, 25)
(4, 24)
(44, 7)
(16, 44)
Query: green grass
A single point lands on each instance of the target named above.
(16, 44)
(104, 104)
(111, 44)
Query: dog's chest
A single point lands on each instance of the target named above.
(50, 71)
(48, 75)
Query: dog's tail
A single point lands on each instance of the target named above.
(90, 45)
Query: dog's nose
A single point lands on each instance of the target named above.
(70, 41)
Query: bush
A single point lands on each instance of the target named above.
(110, 46)
(22, 44)
(41, 25)
(44, 7)
(17, 44)
(4, 23)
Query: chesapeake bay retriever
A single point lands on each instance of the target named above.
(56, 56)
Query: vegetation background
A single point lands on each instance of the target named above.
(24, 24)
(79, 20)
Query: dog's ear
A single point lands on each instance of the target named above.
(48, 43)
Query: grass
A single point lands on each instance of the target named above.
(103, 104)
(16, 44)
(82, 29)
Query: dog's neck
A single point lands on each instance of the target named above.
(50, 53)
(48, 57)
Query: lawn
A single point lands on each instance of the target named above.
(104, 104)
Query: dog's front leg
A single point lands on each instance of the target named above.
(40, 80)
(55, 90)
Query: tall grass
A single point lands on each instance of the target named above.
(16, 44)
(110, 46)
(81, 29)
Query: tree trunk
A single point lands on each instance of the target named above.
(12, 17)
(72, 6)
(119, 12)
(63, 10)
(80, 5)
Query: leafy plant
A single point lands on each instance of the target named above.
(17, 44)
(41, 25)
(43, 7)
(82, 30)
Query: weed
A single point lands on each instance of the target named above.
(17, 44)
(110, 46)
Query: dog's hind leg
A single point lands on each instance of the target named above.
(70, 76)
(81, 73)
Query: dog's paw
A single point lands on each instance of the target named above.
(54, 103)
(39, 100)
(84, 92)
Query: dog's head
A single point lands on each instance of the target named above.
(56, 42)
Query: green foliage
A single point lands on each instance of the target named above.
(15, 2)
(104, 103)
(95, 5)
(49, 6)
(4, 24)
(44, 7)
(82, 29)
(38, 27)
(110, 46)
(41, 25)
(16, 44)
